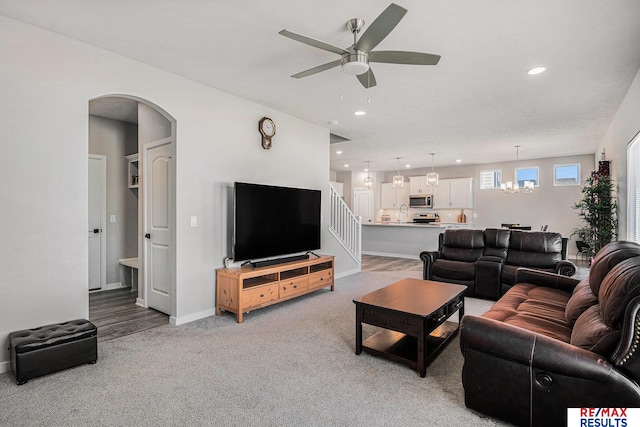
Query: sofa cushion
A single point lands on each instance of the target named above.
(534, 308)
(591, 333)
(496, 242)
(534, 249)
(620, 286)
(581, 299)
(607, 258)
(462, 245)
(454, 270)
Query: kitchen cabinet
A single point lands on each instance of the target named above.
(393, 198)
(453, 194)
(418, 186)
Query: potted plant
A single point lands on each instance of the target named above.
(597, 210)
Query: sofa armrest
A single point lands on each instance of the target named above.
(428, 257)
(546, 279)
(521, 346)
(487, 277)
(566, 268)
(491, 258)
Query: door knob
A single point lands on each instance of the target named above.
(96, 230)
(147, 236)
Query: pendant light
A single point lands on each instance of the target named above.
(368, 181)
(513, 187)
(398, 180)
(432, 177)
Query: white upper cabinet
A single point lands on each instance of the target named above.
(418, 186)
(453, 193)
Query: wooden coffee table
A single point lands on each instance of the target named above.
(414, 316)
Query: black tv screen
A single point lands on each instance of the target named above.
(271, 221)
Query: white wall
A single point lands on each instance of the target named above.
(625, 125)
(46, 82)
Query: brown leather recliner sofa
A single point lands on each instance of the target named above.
(553, 342)
(486, 260)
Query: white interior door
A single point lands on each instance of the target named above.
(97, 220)
(363, 204)
(158, 217)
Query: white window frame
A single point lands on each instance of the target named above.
(633, 189)
(561, 184)
(496, 177)
(517, 178)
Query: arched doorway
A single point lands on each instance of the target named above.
(140, 224)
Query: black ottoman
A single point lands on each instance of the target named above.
(52, 348)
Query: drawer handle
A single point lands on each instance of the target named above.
(295, 286)
(261, 295)
(441, 318)
(458, 305)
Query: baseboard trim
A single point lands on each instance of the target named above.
(348, 273)
(5, 367)
(391, 255)
(176, 321)
(141, 303)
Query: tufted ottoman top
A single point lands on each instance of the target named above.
(49, 335)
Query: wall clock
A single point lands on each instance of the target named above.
(267, 130)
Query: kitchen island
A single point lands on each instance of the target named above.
(403, 240)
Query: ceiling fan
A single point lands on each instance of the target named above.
(355, 58)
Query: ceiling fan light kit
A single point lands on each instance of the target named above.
(355, 58)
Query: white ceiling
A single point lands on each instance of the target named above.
(475, 105)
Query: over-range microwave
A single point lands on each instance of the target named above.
(421, 201)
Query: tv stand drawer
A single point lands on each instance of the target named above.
(293, 286)
(259, 295)
(320, 279)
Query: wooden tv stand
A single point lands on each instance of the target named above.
(240, 290)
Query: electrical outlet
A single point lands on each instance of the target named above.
(112, 218)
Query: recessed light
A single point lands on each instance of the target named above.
(366, 170)
(407, 166)
(338, 152)
(458, 161)
(536, 70)
(346, 166)
(360, 113)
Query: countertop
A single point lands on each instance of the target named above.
(414, 224)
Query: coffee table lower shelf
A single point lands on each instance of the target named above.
(402, 348)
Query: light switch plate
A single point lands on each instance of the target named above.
(194, 221)
(112, 218)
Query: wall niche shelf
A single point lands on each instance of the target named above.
(133, 175)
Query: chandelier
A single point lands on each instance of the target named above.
(513, 187)
(432, 177)
(398, 180)
(368, 181)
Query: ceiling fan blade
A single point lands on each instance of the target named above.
(403, 57)
(313, 42)
(317, 69)
(381, 27)
(367, 79)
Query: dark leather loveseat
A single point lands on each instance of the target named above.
(486, 260)
(553, 342)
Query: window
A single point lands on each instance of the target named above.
(490, 179)
(633, 192)
(566, 175)
(527, 174)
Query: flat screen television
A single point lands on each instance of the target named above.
(272, 221)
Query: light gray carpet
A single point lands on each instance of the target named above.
(291, 364)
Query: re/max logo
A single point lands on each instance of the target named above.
(603, 412)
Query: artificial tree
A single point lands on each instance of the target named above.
(597, 210)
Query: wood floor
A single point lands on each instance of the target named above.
(115, 314)
(381, 263)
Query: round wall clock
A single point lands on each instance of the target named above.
(267, 130)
